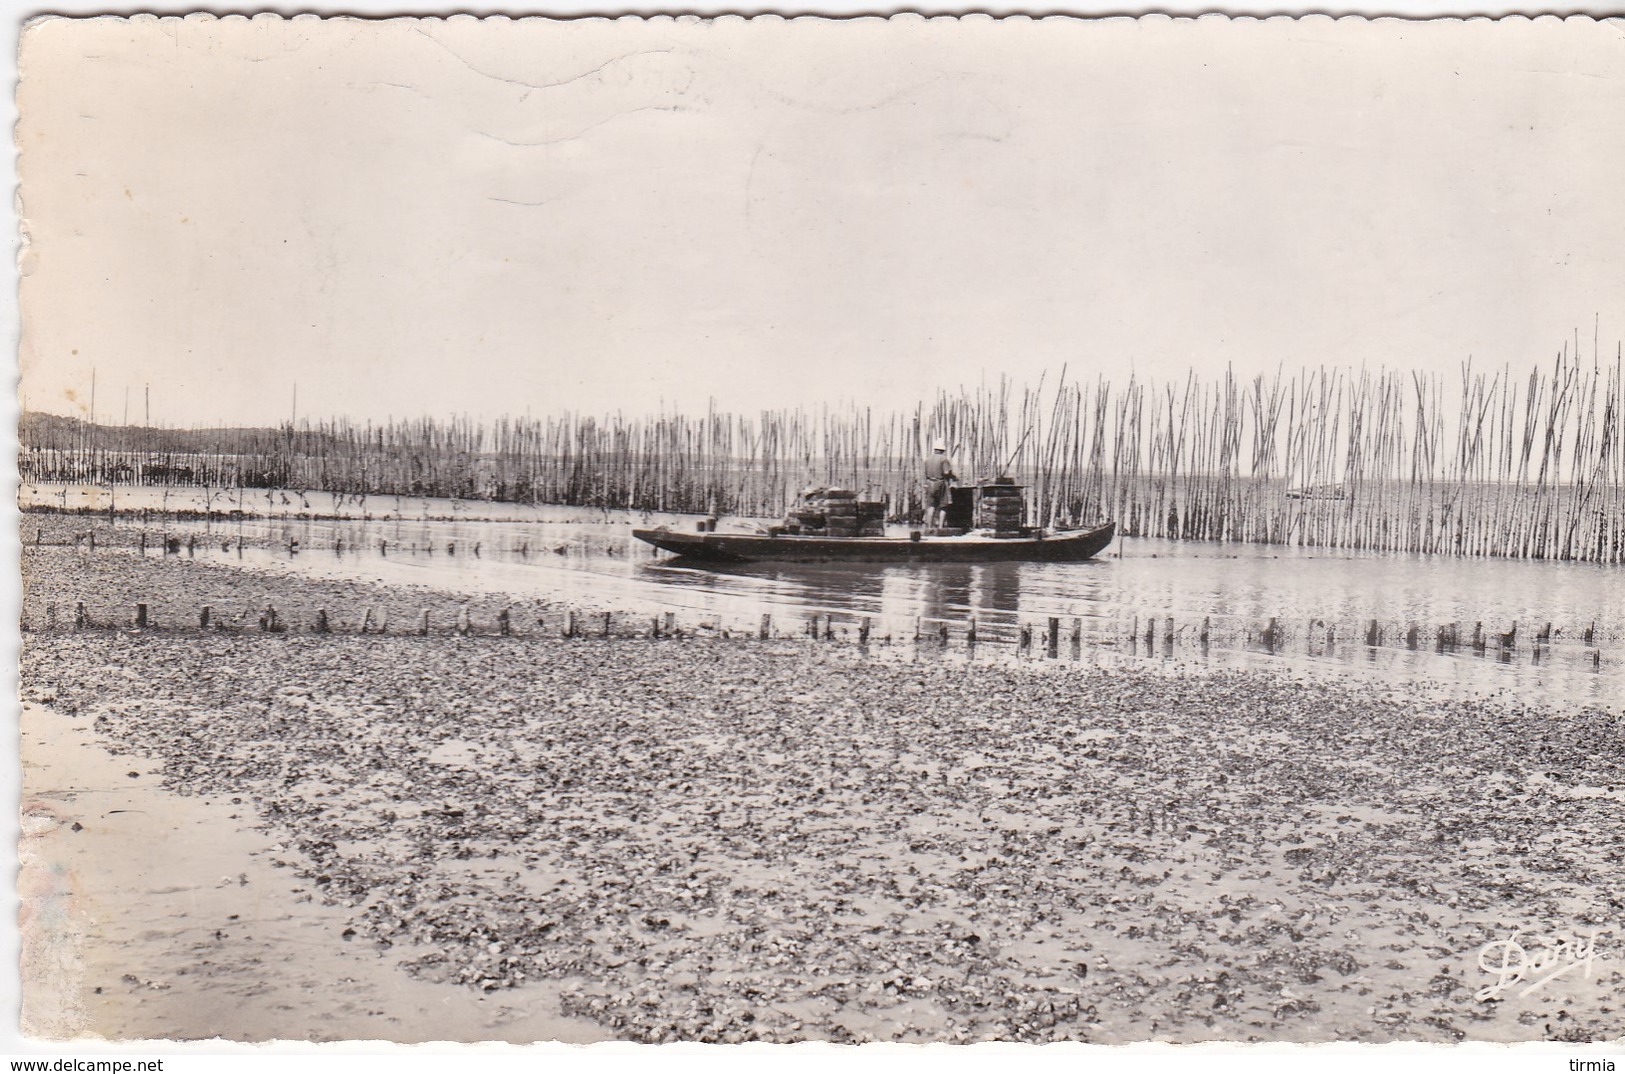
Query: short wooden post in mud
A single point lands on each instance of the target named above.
(1207, 630)
(366, 620)
(143, 542)
(50, 615)
(322, 626)
(1270, 635)
(970, 633)
(1411, 637)
(1054, 637)
(606, 623)
(463, 624)
(1150, 631)
(765, 630)
(863, 631)
(39, 537)
(1026, 636)
(671, 623)
(268, 619)
(79, 617)
(504, 623)
(1589, 637)
(1077, 631)
(1373, 635)
(141, 617)
(93, 540)
(191, 544)
(570, 623)
(942, 635)
(812, 626)
(829, 627)
(203, 617)
(1168, 633)
(423, 623)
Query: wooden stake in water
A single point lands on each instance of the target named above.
(423, 623)
(863, 631)
(570, 623)
(765, 630)
(203, 618)
(1054, 637)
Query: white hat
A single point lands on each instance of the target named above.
(940, 445)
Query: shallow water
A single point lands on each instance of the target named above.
(1323, 602)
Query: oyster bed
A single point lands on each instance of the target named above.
(724, 840)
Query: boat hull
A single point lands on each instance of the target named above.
(1067, 547)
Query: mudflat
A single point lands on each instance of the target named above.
(520, 838)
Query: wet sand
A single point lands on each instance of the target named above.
(708, 839)
(152, 915)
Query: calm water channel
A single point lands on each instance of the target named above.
(1323, 602)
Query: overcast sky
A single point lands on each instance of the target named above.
(414, 217)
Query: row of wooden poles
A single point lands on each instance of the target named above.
(1483, 463)
(1272, 636)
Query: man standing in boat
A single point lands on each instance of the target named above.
(939, 483)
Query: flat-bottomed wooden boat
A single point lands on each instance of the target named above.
(1036, 546)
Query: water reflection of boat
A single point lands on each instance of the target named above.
(1035, 546)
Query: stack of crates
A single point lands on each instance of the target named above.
(825, 512)
(1002, 508)
(840, 513)
(871, 518)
